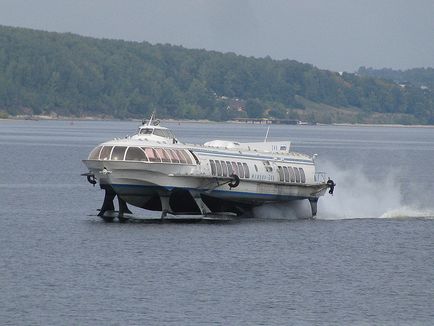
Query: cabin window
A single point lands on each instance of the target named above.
(292, 174)
(162, 133)
(187, 156)
(219, 168)
(297, 175)
(159, 132)
(256, 168)
(169, 134)
(94, 155)
(118, 153)
(268, 167)
(234, 168)
(157, 157)
(246, 171)
(240, 169)
(230, 171)
(105, 152)
(224, 168)
(146, 131)
(135, 154)
(195, 157)
(180, 155)
(302, 176)
(286, 174)
(173, 156)
(213, 170)
(281, 176)
(151, 154)
(163, 155)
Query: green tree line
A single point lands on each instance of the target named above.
(420, 77)
(71, 75)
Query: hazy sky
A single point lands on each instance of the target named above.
(340, 35)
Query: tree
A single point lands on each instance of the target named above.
(254, 108)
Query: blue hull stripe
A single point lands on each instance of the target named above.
(231, 192)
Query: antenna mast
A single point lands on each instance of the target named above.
(266, 135)
(150, 119)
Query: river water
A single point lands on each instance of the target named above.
(368, 258)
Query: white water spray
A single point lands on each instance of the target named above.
(357, 195)
(285, 211)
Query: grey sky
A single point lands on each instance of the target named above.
(340, 35)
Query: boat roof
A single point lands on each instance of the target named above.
(150, 133)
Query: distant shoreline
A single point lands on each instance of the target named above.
(64, 118)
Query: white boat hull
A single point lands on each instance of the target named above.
(147, 185)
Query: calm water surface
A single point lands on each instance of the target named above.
(367, 259)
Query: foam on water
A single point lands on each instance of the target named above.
(357, 195)
(409, 212)
(283, 211)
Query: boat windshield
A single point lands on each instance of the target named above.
(157, 132)
(163, 133)
(146, 131)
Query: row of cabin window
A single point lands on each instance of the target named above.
(290, 174)
(226, 168)
(146, 154)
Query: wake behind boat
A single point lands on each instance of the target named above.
(154, 171)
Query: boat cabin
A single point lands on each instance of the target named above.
(154, 132)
